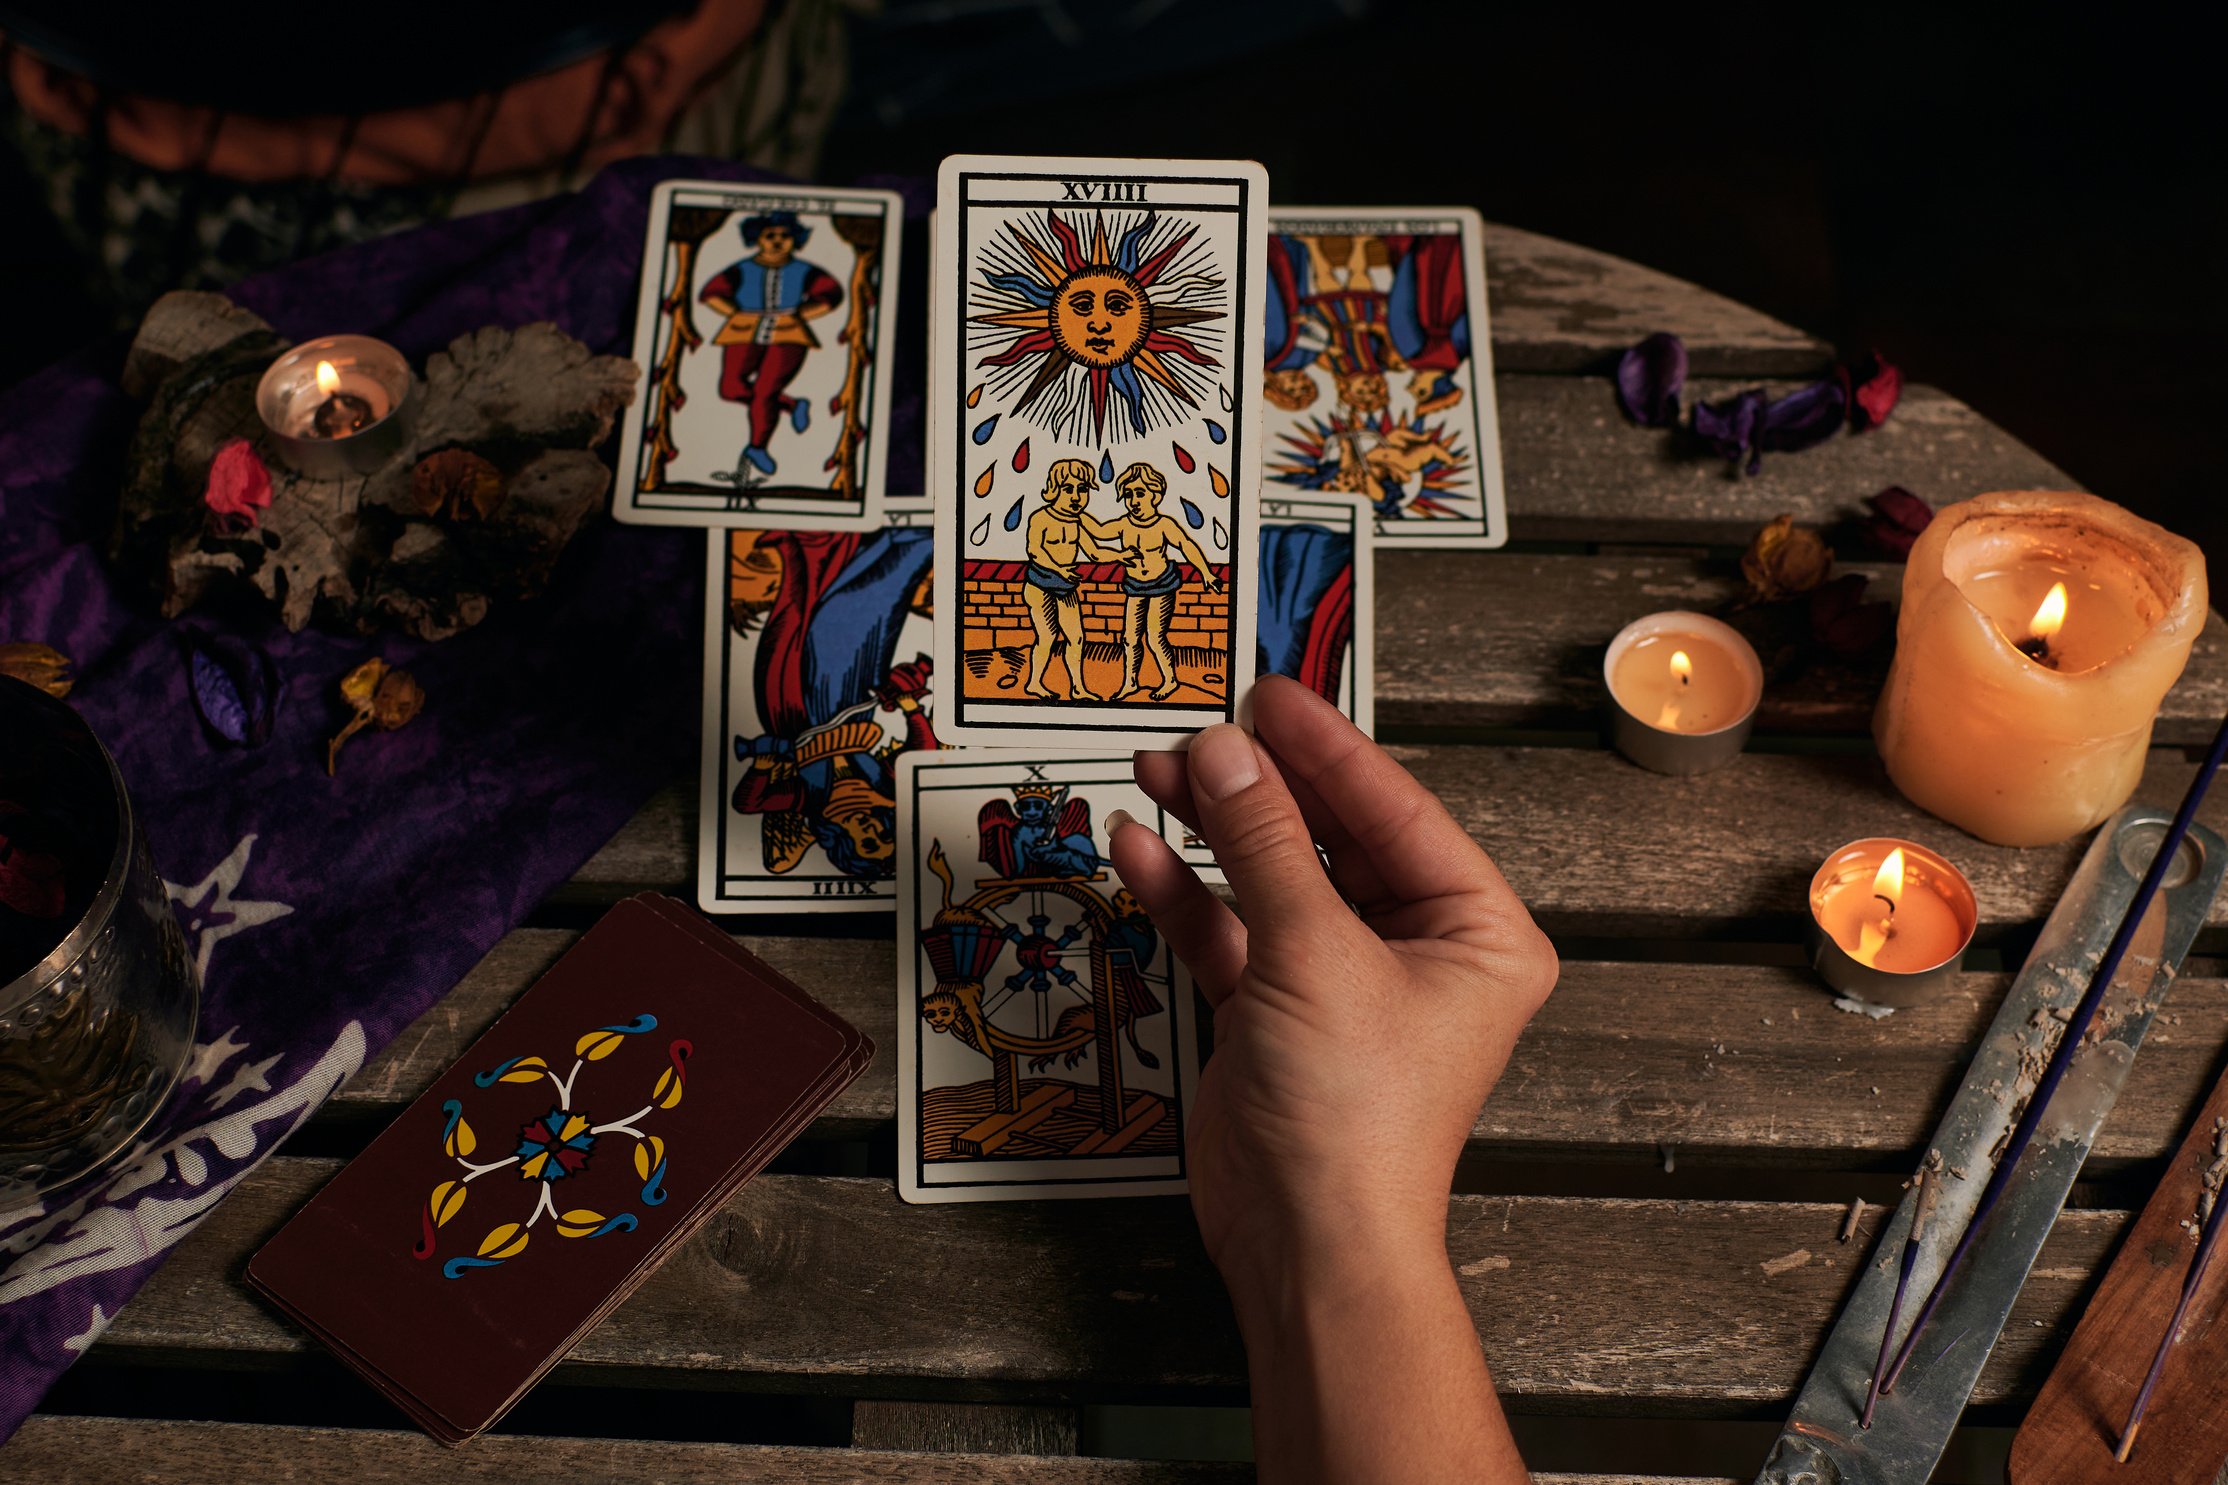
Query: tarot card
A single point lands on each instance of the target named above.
(1379, 372)
(765, 330)
(1318, 607)
(1047, 1037)
(817, 675)
(1095, 446)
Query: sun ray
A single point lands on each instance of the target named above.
(1071, 251)
(1151, 365)
(1150, 269)
(1023, 319)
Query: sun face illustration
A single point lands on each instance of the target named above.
(1068, 331)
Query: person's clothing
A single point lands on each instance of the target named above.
(1168, 582)
(1037, 575)
(759, 375)
(755, 289)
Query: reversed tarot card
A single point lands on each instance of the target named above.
(1379, 371)
(764, 329)
(816, 677)
(1047, 1044)
(1094, 445)
(1318, 610)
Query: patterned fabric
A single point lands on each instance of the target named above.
(328, 913)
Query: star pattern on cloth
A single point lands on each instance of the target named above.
(211, 913)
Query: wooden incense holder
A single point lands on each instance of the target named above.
(2072, 1429)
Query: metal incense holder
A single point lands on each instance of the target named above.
(1660, 749)
(95, 1034)
(1924, 871)
(1822, 1443)
(288, 397)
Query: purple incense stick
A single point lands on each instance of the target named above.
(2205, 1245)
(1924, 1209)
(2068, 1044)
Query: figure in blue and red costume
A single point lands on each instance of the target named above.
(1305, 624)
(832, 605)
(768, 301)
(1043, 833)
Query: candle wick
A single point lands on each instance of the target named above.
(2036, 647)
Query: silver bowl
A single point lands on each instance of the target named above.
(94, 1035)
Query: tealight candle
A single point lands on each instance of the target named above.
(336, 406)
(1889, 920)
(2038, 634)
(1683, 689)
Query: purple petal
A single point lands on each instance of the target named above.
(235, 688)
(1802, 418)
(1730, 426)
(1650, 377)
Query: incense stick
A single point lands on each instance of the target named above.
(2068, 1044)
(2206, 1243)
(1911, 1239)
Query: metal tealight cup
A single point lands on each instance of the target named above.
(1661, 749)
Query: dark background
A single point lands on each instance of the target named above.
(2028, 213)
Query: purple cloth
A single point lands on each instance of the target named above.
(330, 913)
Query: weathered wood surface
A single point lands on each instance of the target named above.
(1734, 1062)
(832, 1284)
(1515, 639)
(1576, 470)
(1556, 306)
(140, 1451)
(1597, 846)
(963, 1428)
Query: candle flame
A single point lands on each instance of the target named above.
(2051, 615)
(328, 382)
(1887, 882)
(1682, 669)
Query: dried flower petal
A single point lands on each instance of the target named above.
(1650, 377)
(1730, 426)
(456, 485)
(1784, 559)
(1803, 418)
(398, 699)
(38, 665)
(357, 687)
(381, 696)
(1898, 518)
(235, 688)
(239, 486)
(1843, 623)
(1873, 386)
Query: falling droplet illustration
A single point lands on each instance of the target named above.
(982, 481)
(984, 429)
(1216, 482)
(980, 533)
(975, 396)
(1021, 457)
(1192, 514)
(1216, 431)
(1222, 537)
(1013, 517)
(1225, 391)
(1184, 461)
(1106, 467)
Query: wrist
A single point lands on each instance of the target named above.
(1296, 1282)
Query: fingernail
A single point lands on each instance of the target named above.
(1223, 761)
(1115, 820)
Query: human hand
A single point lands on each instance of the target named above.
(1353, 1045)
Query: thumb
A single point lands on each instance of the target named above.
(1251, 822)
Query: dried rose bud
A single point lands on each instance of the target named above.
(456, 485)
(1784, 560)
(37, 665)
(1844, 622)
(398, 699)
(381, 696)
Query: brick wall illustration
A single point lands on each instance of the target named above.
(998, 612)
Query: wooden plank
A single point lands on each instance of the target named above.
(1556, 306)
(963, 1428)
(1739, 1063)
(146, 1451)
(831, 1284)
(1577, 471)
(1598, 847)
(1474, 640)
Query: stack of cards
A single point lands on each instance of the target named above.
(618, 1105)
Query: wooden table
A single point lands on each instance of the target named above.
(1686, 1059)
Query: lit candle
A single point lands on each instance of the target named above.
(1889, 920)
(336, 406)
(1683, 690)
(2038, 634)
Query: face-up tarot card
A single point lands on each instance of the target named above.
(817, 676)
(1047, 1041)
(1094, 445)
(765, 330)
(1379, 371)
(1318, 606)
